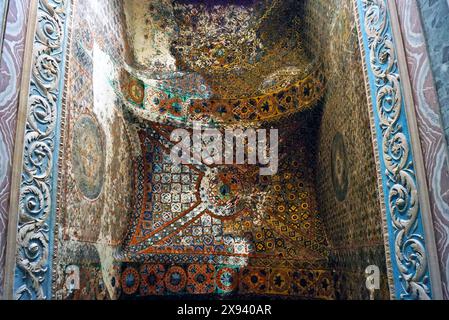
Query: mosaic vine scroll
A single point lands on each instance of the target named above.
(32, 278)
(408, 247)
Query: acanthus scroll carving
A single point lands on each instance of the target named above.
(410, 263)
(32, 275)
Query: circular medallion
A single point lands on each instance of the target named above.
(130, 281)
(254, 280)
(88, 157)
(279, 280)
(136, 91)
(227, 279)
(222, 190)
(175, 279)
(339, 166)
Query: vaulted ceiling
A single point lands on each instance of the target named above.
(238, 48)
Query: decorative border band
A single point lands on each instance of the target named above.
(32, 275)
(407, 245)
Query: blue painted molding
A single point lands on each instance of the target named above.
(37, 200)
(408, 255)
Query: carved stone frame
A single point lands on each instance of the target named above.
(408, 230)
(34, 178)
(412, 260)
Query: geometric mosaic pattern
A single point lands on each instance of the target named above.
(140, 281)
(180, 239)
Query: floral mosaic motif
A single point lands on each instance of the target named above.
(200, 278)
(310, 283)
(152, 280)
(279, 281)
(205, 279)
(253, 280)
(160, 104)
(133, 89)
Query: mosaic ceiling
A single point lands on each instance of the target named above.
(222, 229)
(234, 46)
(196, 229)
(226, 229)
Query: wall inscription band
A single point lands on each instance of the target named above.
(32, 276)
(410, 275)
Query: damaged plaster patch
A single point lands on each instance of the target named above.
(117, 184)
(151, 31)
(104, 95)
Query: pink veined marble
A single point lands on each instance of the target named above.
(430, 128)
(10, 77)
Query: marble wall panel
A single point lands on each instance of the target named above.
(10, 78)
(435, 23)
(431, 130)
